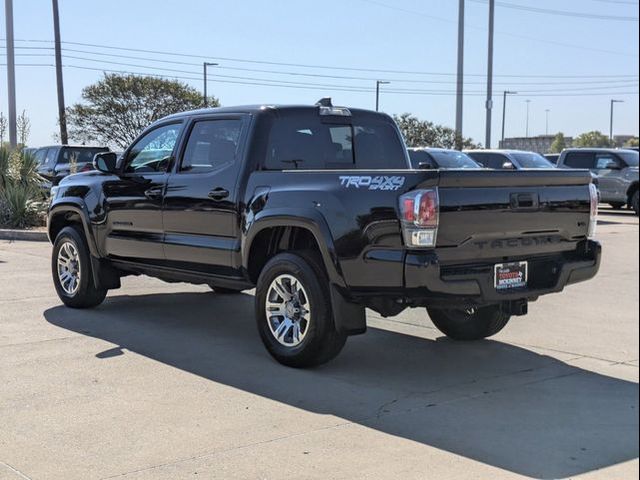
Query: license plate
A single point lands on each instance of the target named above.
(510, 275)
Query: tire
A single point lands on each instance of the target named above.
(635, 203)
(225, 291)
(475, 324)
(76, 293)
(318, 341)
(617, 205)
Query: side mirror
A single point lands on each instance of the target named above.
(508, 166)
(425, 166)
(612, 165)
(105, 162)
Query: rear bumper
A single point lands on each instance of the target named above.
(427, 280)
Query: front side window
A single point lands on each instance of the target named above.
(532, 160)
(629, 157)
(152, 153)
(605, 161)
(40, 155)
(211, 144)
(453, 159)
(50, 159)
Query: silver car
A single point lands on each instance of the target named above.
(616, 169)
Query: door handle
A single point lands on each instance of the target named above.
(218, 193)
(153, 192)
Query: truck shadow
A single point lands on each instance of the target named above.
(489, 401)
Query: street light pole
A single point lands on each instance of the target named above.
(527, 123)
(504, 108)
(489, 104)
(546, 121)
(378, 83)
(204, 71)
(611, 118)
(11, 74)
(460, 75)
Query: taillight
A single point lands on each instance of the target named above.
(593, 210)
(419, 213)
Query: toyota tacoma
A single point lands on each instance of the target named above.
(316, 207)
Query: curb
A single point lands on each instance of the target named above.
(29, 235)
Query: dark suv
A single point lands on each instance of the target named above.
(55, 162)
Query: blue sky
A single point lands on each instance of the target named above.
(534, 52)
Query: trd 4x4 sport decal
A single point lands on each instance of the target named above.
(368, 182)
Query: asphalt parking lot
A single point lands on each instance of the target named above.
(170, 381)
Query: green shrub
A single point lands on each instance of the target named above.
(22, 202)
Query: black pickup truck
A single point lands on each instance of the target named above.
(317, 208)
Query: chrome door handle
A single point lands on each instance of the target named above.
(218, 193)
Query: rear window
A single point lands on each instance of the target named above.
(303, 141)
(453, 159)
(580, 160)
(80, 155)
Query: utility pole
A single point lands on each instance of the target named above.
(460, 75)
(546, 121)
(504, 109)
(378, 83)
(611, 118)
(489, 104)
(527, 124)
(204, 70)
(62, 117)
(11, 74)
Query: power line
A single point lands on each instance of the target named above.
(297, 65)
(514, 35)
(356, 89)
(547, 11)
(607, 81)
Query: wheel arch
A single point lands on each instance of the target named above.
(633, 188)
(65, 214)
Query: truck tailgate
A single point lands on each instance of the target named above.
(506, 214)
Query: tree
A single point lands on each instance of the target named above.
(593, 139)
(632, 142)
(420, 133)
(559, 143)
(23, 127)
(118, 107)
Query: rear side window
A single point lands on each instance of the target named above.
(580, 160)
(304, 142)
(212, 144)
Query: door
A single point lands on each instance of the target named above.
(200, 211)
(133, 201)
(608, 167)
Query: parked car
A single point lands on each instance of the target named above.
(316, 207)
(436, 158)
(55, 162)
(509, 159)
(552, 157)
(616, 169)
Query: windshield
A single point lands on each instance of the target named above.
(532, 160)
(453, 159)
(630, 157)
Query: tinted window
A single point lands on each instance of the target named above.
(531, 160)
(580, 160)
(452, 159)
(152, 153)
(489, 160)
(50, 158)
(79, 155)
(303, 141)
(211, 144)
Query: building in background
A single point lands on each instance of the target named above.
(620, 140)
(540, 144)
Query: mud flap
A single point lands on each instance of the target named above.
(349, 317)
